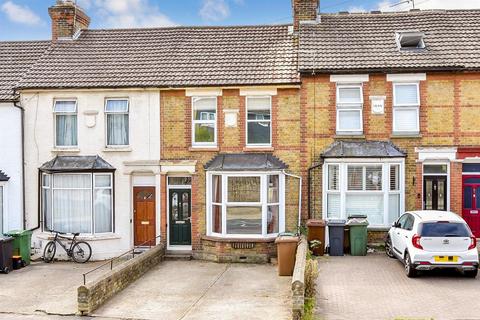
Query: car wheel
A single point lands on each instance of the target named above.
(471, 273)
(409, 269)
(389, 248)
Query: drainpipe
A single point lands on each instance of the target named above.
(22, 111)
(309, 188)
(299, 196)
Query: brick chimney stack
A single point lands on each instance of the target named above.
(304, 10)
(67, 19)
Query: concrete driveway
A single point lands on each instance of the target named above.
(375, 287)
(45, 288)
(203, 290)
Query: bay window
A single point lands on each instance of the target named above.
(77, 202)
(349, 109)
(204, 121)
(65, 112)
(406, 105)
(116, 111)
(259, 122)
(245, 205)
(371, 189)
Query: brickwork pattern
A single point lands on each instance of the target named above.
(67, 19)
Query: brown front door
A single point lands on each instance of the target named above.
(144, 215)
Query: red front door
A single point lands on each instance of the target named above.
(471, 202)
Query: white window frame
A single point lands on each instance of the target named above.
(263, 203)
(412, 107)
(214, 122)
(343, 185)
(55, 114)
(247, 121)
(92, 190)
(349, 106)
(3, 206)
(107, 113)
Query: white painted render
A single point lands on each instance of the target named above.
(140, 159)
(11, 165)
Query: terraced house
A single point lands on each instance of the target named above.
(213, 140)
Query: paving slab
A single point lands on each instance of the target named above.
(376, 287)
(199, 290)
(42, 287)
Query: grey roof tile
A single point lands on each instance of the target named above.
(245, 162)
(367, 42)
(169, 57)
(16, 58)
(363, 149)
(3, 176)
(76, 163)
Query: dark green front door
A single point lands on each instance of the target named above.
(180, 217)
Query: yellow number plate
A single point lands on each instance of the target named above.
(446, 259)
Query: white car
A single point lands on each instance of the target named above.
(426, 240)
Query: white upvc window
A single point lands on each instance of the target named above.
(247, 205)
(66, 123)
(77, 202)
(2, 206)
(117, 122)
(373, 189)
(349, 109)
(259, 121)
(406, 105)
(204, 121)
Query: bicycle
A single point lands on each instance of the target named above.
(79, 251)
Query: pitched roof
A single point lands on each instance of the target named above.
(363, 149)
(3, 176)
(367, 42)
(169, 57)
(16, 57)
(245, 162)
(76, 163)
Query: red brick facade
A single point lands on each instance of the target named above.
(67, 19)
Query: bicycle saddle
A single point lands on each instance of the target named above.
(76, 234)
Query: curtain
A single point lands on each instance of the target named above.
(66, 130)
(1, 209)
(117, 129)
(103, 210)
(72, 199)
(217, 209)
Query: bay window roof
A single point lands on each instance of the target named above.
(363, 149)
(76, 163)
(245, 162)
(3, 176)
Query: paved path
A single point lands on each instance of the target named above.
(375, 287)
(199, 290)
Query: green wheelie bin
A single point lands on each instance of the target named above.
(358, 235)
(21, 244)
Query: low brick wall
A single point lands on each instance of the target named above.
(236, 250)
(93, 295)
(298, 280)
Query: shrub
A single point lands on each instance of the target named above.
(311, 274)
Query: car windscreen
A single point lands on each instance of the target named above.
(444, 229)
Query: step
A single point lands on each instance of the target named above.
(184, 255)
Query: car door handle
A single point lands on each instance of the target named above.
(398, 233)
(406, 237)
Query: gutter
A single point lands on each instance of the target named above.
(299, 196)
(22, 111)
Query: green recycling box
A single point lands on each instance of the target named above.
(358, 235)
(21, 244)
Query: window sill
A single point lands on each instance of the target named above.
(258, 149)
(405, 136)
(228, 240)
(349, 136)
(119, 149)
(100, 237)
(65, 150)
(204, 149)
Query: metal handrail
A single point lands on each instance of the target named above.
(110, 262)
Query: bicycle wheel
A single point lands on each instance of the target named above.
(49, 251)
(81, 252)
